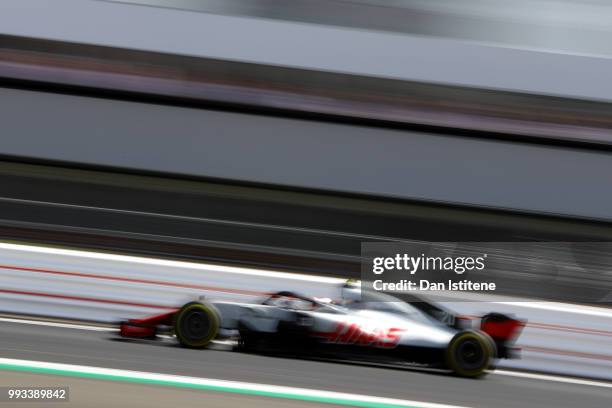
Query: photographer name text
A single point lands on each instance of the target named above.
(423, 284)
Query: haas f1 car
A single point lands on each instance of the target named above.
(382, 330)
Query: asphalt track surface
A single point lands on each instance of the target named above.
(102, 349)
(91, 393)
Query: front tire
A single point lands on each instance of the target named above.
(196, 325)
(469, 354)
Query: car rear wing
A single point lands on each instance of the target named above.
(504, 330)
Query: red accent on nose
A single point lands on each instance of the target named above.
(127, 330)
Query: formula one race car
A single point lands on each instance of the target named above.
(382, 330)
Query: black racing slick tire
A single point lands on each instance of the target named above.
(469, 354)
(196, 325)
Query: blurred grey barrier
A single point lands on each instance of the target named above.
(535, 23)
(385, 163)
(283, 230)
(103, 287)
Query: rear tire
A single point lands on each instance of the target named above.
(469, 354)
(196, 325)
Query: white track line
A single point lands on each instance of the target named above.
(545, 377)
(169, 263)
(57, 324)
(552, 306)
(213, 384)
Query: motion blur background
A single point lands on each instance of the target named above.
(281, 135)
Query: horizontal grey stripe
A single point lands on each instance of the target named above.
(300, 153)
(569, 26)
(311, 46)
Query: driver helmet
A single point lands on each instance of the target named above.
(351, 291)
